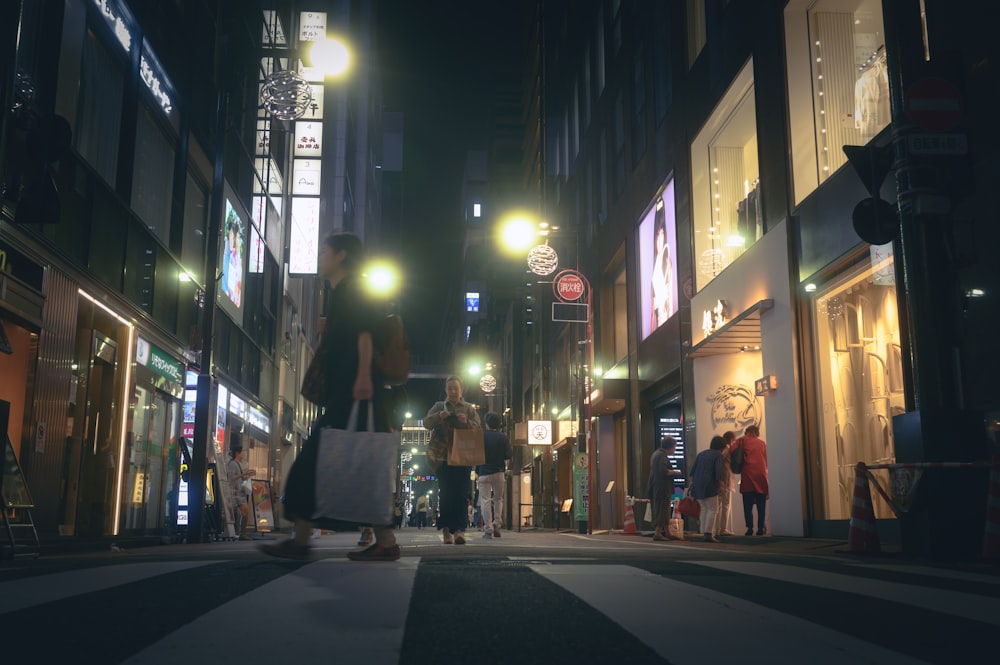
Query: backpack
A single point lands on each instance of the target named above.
(736, 460)
(392, 356)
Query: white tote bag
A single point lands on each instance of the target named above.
(356, 473)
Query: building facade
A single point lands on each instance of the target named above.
(744, 273)
(136, 165)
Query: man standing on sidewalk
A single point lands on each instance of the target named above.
(491, 475)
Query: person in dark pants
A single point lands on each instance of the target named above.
(350, 375)
(453, 481)
(753, 479)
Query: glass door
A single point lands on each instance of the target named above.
(153, 416)
(89, 465)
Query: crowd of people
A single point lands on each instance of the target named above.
(712, 482)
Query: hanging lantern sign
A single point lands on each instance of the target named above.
(543, 260)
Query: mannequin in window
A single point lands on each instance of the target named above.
(661, 287)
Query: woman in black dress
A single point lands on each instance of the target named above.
(350, 375)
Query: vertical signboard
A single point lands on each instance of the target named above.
(668, 422)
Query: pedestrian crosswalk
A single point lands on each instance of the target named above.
(433, 608)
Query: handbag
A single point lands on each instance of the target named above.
(648, 515)
(675, 528)
(356, 473)
(688, 507)
(467, 448)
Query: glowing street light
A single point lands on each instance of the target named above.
(518, 232)
(381, 278)
(330, 56)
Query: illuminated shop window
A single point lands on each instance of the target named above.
(838, 85)
(859, 375)
(728, 215)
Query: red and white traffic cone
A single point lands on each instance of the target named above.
(862, 538)
(991, 539)
(629, 516)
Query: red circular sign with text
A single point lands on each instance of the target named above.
(934, 104)
(568, 286)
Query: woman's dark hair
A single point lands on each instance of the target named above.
(351, 244)
(753, 430)
(668, 442)
(718, 443)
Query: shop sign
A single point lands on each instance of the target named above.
(257, 418)
(765, 385)
(157, 361)
(112, 13)
(237, 406)
(715, 318)
(540, 432)
(581, 486)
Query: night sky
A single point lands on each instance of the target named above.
(436, 59)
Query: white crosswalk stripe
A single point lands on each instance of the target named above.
(332, 603)
(934, 572)
(646, 604)
(966, 605)
(32, 591)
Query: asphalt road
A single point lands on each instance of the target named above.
(528, 597)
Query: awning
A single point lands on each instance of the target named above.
(740, 334)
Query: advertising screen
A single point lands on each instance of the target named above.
(303, 246)
(234, 254)
(658, 261)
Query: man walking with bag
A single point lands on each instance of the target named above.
(491, 476)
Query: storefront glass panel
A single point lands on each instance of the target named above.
(860, 378)
(838, 84)
(154, 417)
(726, 201)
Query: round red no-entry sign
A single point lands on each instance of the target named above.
(569, 286)
(934, 104)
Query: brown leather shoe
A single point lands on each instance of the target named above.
(460, 538)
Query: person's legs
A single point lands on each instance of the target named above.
(709, 512)
(725, 505)
(482, 483)
(497, 483)
(748, 502)
(761, 501)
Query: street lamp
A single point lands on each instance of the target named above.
(330, 56)
(382, 278)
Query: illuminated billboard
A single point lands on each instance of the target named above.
(658, 261)
(234, 246)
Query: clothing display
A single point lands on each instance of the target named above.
(750, 216)
(871, 96)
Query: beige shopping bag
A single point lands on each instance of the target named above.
(467, 448)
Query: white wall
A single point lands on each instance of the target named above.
(760, 273)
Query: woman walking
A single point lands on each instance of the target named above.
(453, 481)
(660, 486)
(706, 478)
(350, 375)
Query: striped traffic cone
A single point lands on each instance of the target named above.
(629, 516)
(991, 539)
(862, 537)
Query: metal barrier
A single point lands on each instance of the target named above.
(906, 476)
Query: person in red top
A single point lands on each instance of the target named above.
(753, 479)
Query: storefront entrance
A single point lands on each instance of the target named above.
(150, 459)
(89, 465)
